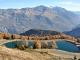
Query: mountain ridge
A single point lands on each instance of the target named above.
(16, 21)
(40, 32)
(74, 32)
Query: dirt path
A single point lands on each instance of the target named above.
(61, 53)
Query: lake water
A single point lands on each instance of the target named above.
(67, 46)
(62, 45)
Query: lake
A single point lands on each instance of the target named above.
(67, 46)
(62, 45)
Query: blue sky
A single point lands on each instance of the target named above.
(73, 5)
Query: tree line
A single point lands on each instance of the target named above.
(15, 36)
(37, 45)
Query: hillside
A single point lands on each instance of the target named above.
(76, 12)
(40, 32)
(75, 32)
(14, 54)
(16, 21)
(77, 26)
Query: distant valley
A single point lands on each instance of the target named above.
(15, 21)
(75, 32)
(76, 12)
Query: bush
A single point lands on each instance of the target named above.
(7, 36)
(79, 59)
(45, 44)
(53, 45)
(1, 35)
(37, 44)
(18, 46)
(75, 57)
(14, 36)
(31, 47)
(48, 52)
(25, 43)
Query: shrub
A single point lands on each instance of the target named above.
(31, 47)
(1, 35)
(17, 44)
(45, 44)
(7, 36)
(24, 37)
(78, 40)
(25, 43)
(14, 36)
(48, 52)
(75, 57)
(53, 45)
(37, 44)
(79, 59)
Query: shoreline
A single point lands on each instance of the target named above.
(55, 52)
(60, 53)
(3, 41)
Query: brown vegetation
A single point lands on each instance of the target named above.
(37, 44)
(7, 36)
(25, 43)
(31, 47)
(45, 45)
(14, 54)
(1, 35)
(48, 52)
(24, 37)
(53, 45)
(78, 40)
(14, 36)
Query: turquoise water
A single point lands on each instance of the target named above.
(12, 44)
(67, 46)
(62, 45)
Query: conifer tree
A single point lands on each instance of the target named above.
(37, 44)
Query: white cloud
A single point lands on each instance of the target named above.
(77, 4)
(69, 3)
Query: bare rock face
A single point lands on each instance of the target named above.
(20, 20)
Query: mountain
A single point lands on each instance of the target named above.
(76, 12)
(16, 21)
(40, 32)
(76, 26)
(75, 32)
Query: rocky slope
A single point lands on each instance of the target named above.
(75, 32)
(76, 12)
(76, 26)
(20, 20)
(40, 32)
